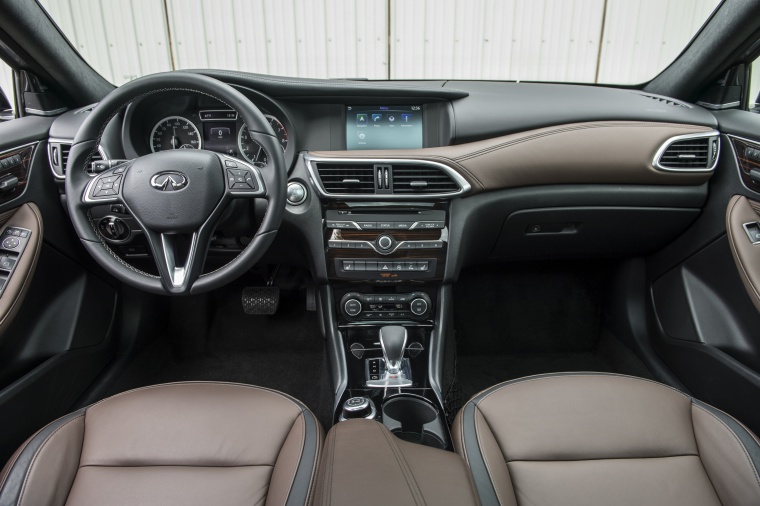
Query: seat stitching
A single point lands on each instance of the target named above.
(403, 466)
(300, 455)
(315, 463)
(581, 375)
(480, 445)
(733, 434)
(327, 495)
(179, 383)
(37, 453)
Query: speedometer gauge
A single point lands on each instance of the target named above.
(174, 132)
(252, 150)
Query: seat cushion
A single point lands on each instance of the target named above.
(589, 438)
(180, 443)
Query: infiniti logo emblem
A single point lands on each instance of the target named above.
(169, 181)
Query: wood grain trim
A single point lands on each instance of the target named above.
(601, 152)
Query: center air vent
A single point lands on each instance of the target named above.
(420, 179)
(347, 178)
(385, 178)
(694, 153)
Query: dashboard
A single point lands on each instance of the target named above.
(498, 159)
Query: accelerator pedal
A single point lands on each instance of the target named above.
(261, 300)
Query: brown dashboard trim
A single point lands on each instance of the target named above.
(601, 152)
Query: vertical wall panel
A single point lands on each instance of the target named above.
(543, 40)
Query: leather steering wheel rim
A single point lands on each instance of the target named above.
(273, 176)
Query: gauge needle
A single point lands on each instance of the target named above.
(174, 138)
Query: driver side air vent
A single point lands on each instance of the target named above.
(58, 156)
(690, 154)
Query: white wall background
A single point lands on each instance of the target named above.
(606, 41)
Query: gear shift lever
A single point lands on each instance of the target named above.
(393, 342)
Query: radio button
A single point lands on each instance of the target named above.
(385, 225)
(367, 225)
(384, 242)
(402, 225)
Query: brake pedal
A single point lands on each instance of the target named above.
(261, 300)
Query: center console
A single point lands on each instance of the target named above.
(385, 264)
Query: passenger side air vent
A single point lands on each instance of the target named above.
(696, 153)
(347, 178)
(421, 179)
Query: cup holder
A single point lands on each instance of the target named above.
(414, 419)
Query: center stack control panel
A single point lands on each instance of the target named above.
(386, 246)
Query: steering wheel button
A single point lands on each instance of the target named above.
(230, 163)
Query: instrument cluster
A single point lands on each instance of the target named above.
(219, 130)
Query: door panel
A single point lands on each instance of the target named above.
(703, 288)
(57, 308)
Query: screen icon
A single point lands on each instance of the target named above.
(391, 118)
(376, 118)
(406, 118)
(361, 119)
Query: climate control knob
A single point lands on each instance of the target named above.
(418, 307)
(384, 242)
(352, 307)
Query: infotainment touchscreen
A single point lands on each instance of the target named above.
(383, 126)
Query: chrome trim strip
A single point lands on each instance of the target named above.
(40, 112)
(314, 176)
(177, 274)
(670, 141)
(719, 107)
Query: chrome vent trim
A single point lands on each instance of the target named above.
(63, 147)
(422, 180)
(689, 153)
(347, 178)
(459, 187)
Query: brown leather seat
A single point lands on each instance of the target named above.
(590, 439)
(180, 443)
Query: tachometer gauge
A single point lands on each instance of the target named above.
(174, 132)
(252, 150)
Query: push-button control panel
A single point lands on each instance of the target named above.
(386, 306)
(14, 240)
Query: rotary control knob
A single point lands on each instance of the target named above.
(418, 307)
(358, 407)
(352, 307)
(384, 242)
(113, 228)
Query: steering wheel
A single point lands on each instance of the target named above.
(176, 196)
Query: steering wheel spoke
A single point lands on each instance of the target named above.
(179, 258)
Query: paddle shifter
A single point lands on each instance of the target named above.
(394, 371)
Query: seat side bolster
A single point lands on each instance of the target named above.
(495, 462)
(59, 447)
(730, 455)
(295, 470)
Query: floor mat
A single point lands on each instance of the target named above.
(284, 352)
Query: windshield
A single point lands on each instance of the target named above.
(583, 41)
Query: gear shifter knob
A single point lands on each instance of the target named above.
(393, 342)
